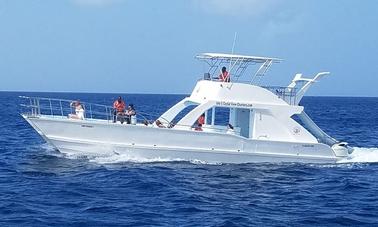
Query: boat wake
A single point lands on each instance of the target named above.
(362, 155)
(125, 158)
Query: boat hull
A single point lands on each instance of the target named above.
(101, 138)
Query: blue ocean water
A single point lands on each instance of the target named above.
(41, 187)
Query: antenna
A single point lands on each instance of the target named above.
(233, 45)
(232, 51)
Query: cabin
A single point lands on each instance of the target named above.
(244, 108)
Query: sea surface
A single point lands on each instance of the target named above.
(41, 187)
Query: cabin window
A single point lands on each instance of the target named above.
(240, 119)
(221, 116)
(183, 113)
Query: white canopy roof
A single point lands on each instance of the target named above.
(236, 57)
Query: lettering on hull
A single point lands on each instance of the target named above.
(87, 126)
(236, 104)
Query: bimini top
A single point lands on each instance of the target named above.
(236, 57)
(237, 64)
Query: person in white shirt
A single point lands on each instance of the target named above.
(79, 111)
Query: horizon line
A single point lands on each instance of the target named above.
(140, 93)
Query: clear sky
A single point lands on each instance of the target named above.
(148, 46)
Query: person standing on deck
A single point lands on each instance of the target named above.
(224, 76)
(119, 110)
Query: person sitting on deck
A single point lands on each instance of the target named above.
(198, 128)
(146, 122)
(201, 119)
(230, 129)
(79, 110)
(130, 113)
(119, 110)
(159, 124)
(224, 76)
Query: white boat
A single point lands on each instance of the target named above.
(260, 123)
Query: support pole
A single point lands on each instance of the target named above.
(212, 116)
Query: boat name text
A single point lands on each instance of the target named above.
(238, 104)
(87, 126)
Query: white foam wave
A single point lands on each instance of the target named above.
(48, 149)
(362, 155)
(122, 158)
(201, 162)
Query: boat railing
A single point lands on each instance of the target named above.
(37, 106)
(285, 93)
(62, 108)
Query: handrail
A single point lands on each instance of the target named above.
(287, 94)
(37, 106)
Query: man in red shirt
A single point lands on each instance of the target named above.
(201, 119)
(119, 110)
(200, 122)
(224, 76)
